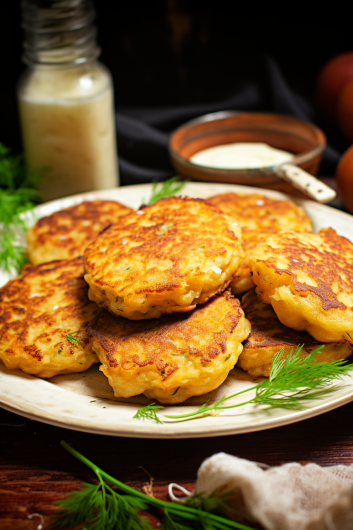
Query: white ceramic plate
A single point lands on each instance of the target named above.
(85, 401)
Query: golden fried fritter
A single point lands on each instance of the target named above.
(308, 280)
(165, 258)
(259, 216)
(268, 336)
(258, 213)
(44, 314)
(66, 234)
(174, 357)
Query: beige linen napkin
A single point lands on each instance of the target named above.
(287, 497)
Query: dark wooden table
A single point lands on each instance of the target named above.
(35, 470)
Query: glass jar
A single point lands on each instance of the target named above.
(65, 100)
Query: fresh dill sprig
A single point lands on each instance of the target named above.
(17, 195)
(71, 338)
(293, 381)
(161, 190)
(100, 507)
(149, 411)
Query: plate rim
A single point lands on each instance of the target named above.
(141, 433)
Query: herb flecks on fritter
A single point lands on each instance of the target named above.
(269, 335)
(174, 357)
(259, 217)
(65, 234)
(308, 280)
(44, 314)
(165, 258)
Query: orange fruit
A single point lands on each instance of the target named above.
(344, 110)
(330, 81)
(344, 178)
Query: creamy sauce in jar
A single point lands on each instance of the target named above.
(241, 156)
(68, 126)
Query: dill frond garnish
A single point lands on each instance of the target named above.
(161, 190)
(148, 412)
(17, 195)
(71, 338)
(293, 381)
(100, 507)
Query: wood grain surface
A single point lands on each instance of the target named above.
(35, 470)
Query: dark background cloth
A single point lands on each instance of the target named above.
(143, 133)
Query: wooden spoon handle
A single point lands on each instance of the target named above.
(306, 183)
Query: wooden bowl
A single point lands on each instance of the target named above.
(304, 140)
